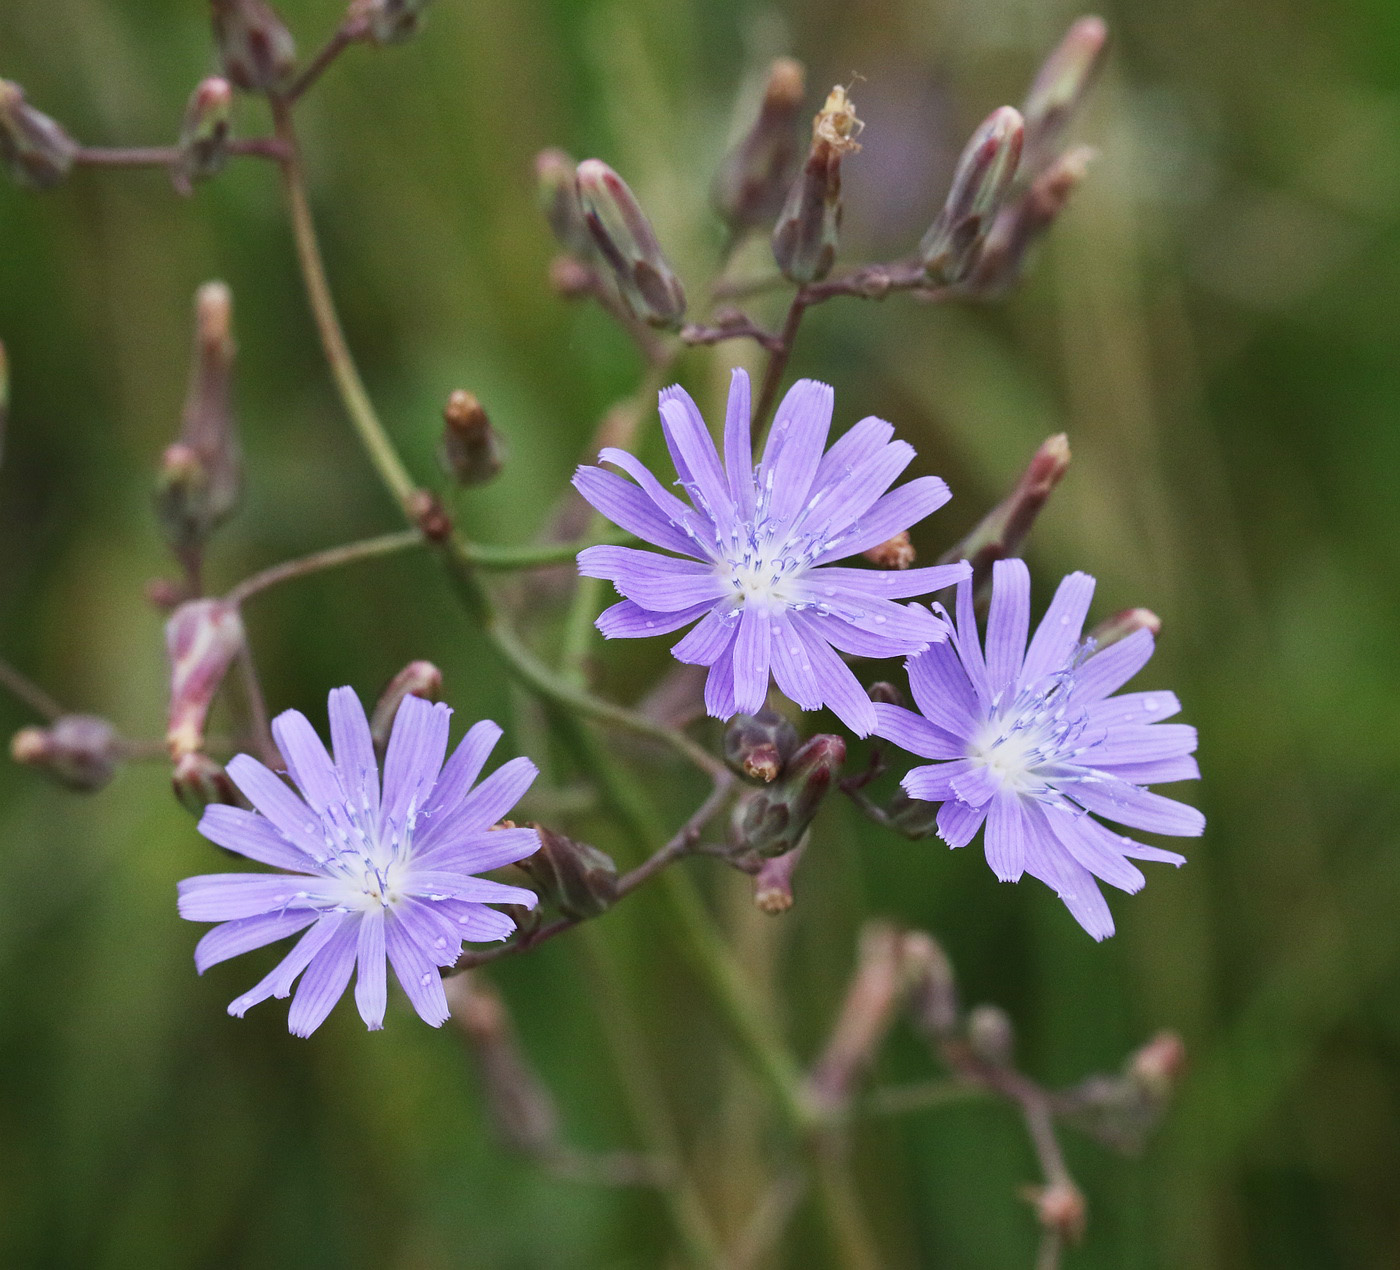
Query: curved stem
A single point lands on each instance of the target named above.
(331, 558)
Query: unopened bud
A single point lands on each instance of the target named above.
(80, 751)
(202, 638)
(933, 996)
(991, 1035)
(1123, 624)
(894, 553)
(471, 451)
(36, 150)
(394, 21)
(1002, 531)
(255, 47)
(417, 679)
(199, 781)
(772, 820)
(556, 179)
(758, 745)
(625, 239)
(1061, 1210)
(426, 511)
(912, 817)
(808, 232)
(204, 135)
(772, 884)
(756, 174)
(981, 182)
(1059, 89)
(1157, 1067)
(520, 1107)
(577, 879)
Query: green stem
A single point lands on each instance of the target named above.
(332, 558)
(502, 559)
(29, 693)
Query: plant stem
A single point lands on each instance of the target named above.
(349, 31)
(898, 1100)
(331, 558)
(23, 688)
(542, 555)
(777, 362)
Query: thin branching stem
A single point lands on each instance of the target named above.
(27, 691)
(349, 32)
(319, 561)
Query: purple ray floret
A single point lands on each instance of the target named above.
(1029, 742)
(370, 876)
(754, 550)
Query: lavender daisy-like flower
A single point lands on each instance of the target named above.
(754, 551)
(371, 876)
(1030, 741)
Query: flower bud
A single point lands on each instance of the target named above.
(624, 236)
(772, 884)
(577, 879)
(895, 553)
(201, 475)
(933, 995)
(758, 745)
(394, 21)
(556, 178)
(808, 231)
(1157, 1067)
(991, 1035)
(756, 174)
(202, 638)
(772, 820)
(1123, 624)
(199, 781)
(1061, 1210)
(204, 134)
(1002, 531)
(36, 150)
(981, 182)
(912, 817)
(471, 451)
(255, 47)
(417, 679)
(80, 751)
(425, 510)
(1059, 89)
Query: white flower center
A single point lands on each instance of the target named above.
(1027, 742)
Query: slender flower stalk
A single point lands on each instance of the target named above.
(369, 874)
(1030, 742)
(755, 551)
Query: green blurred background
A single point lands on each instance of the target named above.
(1214, 325)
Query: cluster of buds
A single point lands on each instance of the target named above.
(471, 451)
(201, 475)
(80, 751)
(578, 880)
(36, 150)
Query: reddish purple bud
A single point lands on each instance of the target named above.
(1123, 624)
(202, 638)
(255, 47)
(426, 511)
(757, 746)
(79, 751)
(577, 879)
(417, 679)
(556, 179)
(756, 174)
(772, 820)
(198, 782)
(471, 450)
(772, 884)
(36, 150)
(1059, 88)
(204, 135)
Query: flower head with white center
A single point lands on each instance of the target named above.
(754, 550)
(1029, 741)
(375, 875)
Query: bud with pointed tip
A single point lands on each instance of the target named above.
(417, 679)
(981, 182)
(199, 782)
(772, 820)
(80, 751)
(204, 134)
(577, 879)
(471, 450)
(202, 638)
(36, 150)
(394, 21)
(991, 1035)
(808, 232)
(1001, 531)
(756, 174)
(626, 240)
(1123, 624)
(758, 745)
(556, 180)
(1059, 89)
(255, 47)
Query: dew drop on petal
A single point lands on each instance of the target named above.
(1149, 703)
(440, 942)
(425, 978)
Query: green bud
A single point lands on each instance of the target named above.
(756, 174)
(394, 21)
(79, 751)
(577, 879)
(36, 150)
(758, 745)
(471, 450)
(772, 820)
(808, 232)
(625, 239)
(981, 182)
(255, 47)
(204, 135)
(417, 679)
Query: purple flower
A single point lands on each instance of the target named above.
(372, 875)
(753, 550)
(1030, 742)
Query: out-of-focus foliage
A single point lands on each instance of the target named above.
(1213, 325)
